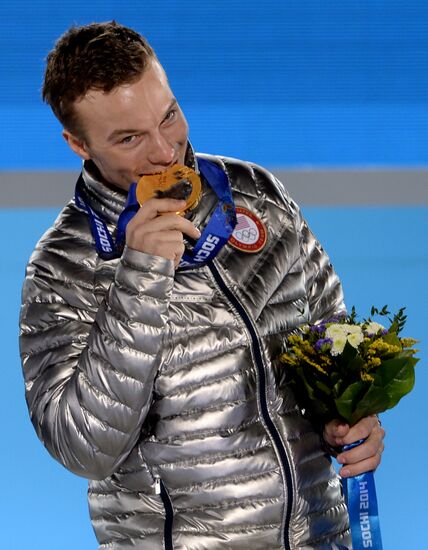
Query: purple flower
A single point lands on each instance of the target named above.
(317, 328)
(337, 318)
(323, 342)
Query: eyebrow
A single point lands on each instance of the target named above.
(129, 131)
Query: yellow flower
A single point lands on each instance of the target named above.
(408, 342)
(366, 377)
(373, 362)
(295, 338)
(380, 347)
(289, 359)
(296, 356)
(325, 360)
(316, 365)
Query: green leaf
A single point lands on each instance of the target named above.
(323, 387)
(392, 380)
(310, 393)
(391, 338)
(349, 353)
(317, 408)
(356, 365)
(348, 401)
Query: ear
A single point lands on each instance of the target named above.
(76, 144)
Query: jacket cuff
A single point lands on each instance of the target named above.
(141, 261)
(142, 287)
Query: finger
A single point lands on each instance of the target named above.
(175, 251)
(371, 447)
(167, 222)
(154, 207)
(336, 427)
(367, 465)
(334, 431)
(160, 243)
(176, 222)
(362, 430)
(171, 227)
(364, 457)
(170, 250)
(160, 238)
(177, 257)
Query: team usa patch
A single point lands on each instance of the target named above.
(250, 233)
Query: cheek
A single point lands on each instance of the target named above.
(177, 136)
(182, 128)
(122, 162)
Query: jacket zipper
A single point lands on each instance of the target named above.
(169, 513)
(269, 424)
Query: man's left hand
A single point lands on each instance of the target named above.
(366, 456)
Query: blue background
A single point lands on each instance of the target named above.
(281, 83)
(287, 82)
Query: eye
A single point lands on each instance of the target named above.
(127, 140)
(170, 116)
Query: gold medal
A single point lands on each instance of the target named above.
(178, 182)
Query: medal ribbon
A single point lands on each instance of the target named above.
(107, 248)
(222, 222)
(215, 235)
(360, 496)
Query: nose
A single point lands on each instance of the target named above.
(162, 153)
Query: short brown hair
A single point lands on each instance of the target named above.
(99, 56)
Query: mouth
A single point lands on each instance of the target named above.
(176, 161)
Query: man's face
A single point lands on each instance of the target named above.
(133, 130)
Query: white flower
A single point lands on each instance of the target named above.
(335, 330)
(355, 338)
(338, 345)
(341, 333)
(353, 329)
(373, 328)
(338, 334)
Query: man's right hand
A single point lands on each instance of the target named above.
(158, 230)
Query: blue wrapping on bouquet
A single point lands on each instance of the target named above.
(360, 495)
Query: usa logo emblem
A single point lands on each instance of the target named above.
(250, 233)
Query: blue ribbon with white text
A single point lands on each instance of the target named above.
(214, 236)
(221, 224)
(360, 495)
(107, 247)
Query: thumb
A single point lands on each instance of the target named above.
(334, 431)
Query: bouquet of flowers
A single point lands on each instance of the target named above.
(346, 369)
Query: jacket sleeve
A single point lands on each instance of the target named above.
(89, 376)
(323, 288)
(324, 293)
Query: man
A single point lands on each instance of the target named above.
(159, 383)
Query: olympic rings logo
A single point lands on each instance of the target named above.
(247, 235)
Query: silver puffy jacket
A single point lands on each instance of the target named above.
(163, 388)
